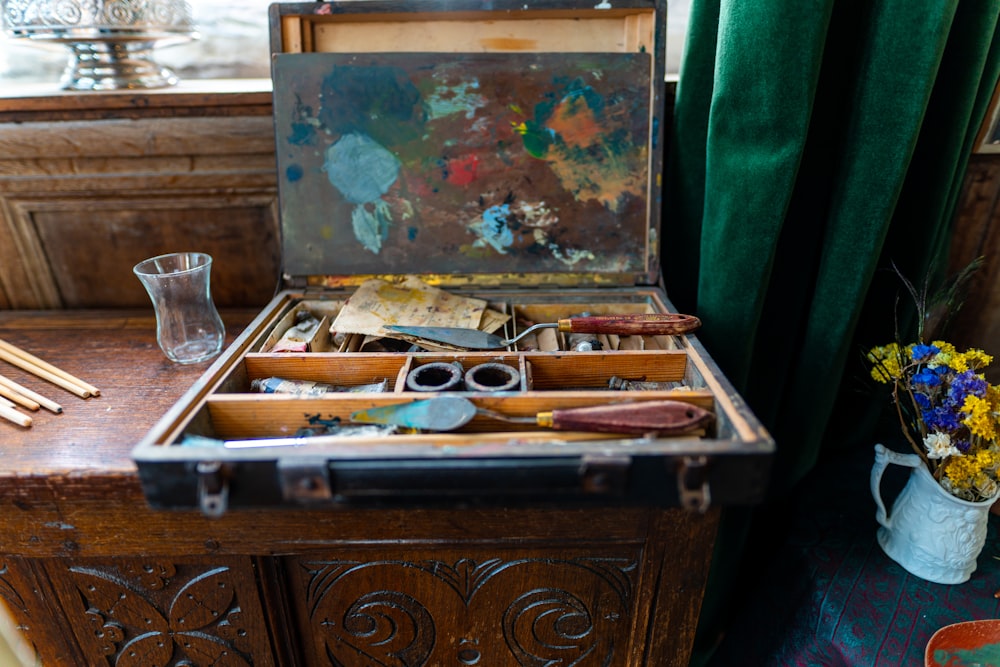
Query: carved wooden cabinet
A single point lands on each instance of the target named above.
(483, 603)
(92, 576)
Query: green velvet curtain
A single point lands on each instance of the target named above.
(814, 143)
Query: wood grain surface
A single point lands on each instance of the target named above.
(93, 437)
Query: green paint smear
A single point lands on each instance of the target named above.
(537, 139)
(988, 654)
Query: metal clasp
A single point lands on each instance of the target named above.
(213, 488)
(305, 480)
(692, 483)
(604, 475)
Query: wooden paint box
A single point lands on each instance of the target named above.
(505, 153)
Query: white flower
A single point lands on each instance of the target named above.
(939, 446)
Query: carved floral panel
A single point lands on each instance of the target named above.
(470, 608)
(163, 612)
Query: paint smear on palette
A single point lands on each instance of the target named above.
(492, 229)
(363, 170)
(463, 170)
(588, 145)
(988, 654)
(495, 228)
(462, 97)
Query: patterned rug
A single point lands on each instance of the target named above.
(830, 597)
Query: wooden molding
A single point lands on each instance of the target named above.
(82, 200)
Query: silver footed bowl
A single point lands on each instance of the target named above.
(111, 42)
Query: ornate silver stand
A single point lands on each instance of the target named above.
(111, 42)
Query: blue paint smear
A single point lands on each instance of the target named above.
(493, 229)
(371, 226)
(360, 168)
(303, 134)
(293, 173)
(411, 233)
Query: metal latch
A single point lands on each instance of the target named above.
(213, 488)
(604, 475)
(305, 480)
(692, 483)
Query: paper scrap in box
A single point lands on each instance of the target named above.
(378, 303)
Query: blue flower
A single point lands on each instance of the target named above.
(962, 444)
(964, 384)
(922, 353)
(927, 378)
(941, 418)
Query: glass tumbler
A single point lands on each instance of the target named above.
(188, 327)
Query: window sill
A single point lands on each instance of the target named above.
(212, 97)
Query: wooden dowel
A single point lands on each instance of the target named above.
(41, 363)
(24, 364)
(12, 415)
(18, 398)
(38, 398)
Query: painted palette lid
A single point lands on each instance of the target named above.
(487, 146)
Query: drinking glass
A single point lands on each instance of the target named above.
(188, 327)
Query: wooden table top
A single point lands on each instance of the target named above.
(117, 352)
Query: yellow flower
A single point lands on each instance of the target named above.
(885, 363)
(979, 417)
(993, 396)
(970, 359)
(966, 472)
(946, 351)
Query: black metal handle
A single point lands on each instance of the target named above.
(544, 478)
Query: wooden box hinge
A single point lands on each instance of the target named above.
(294, 282)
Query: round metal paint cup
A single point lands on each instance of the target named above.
(492, 377)
(435, 376)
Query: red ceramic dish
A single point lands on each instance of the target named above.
(967, 644)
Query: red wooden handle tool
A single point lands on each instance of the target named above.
(666, 417)
(672, 324)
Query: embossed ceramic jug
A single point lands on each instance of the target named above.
(930, 532)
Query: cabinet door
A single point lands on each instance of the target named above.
(480, 605)
(154, 612)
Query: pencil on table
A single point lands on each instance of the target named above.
(18, 398)
(41, 363)
(8, 412)
(36, 397)
(32, 366)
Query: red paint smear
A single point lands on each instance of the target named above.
(462, 171)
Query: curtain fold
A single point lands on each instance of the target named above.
(814, 144)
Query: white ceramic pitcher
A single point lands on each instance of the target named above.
(931, 533)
